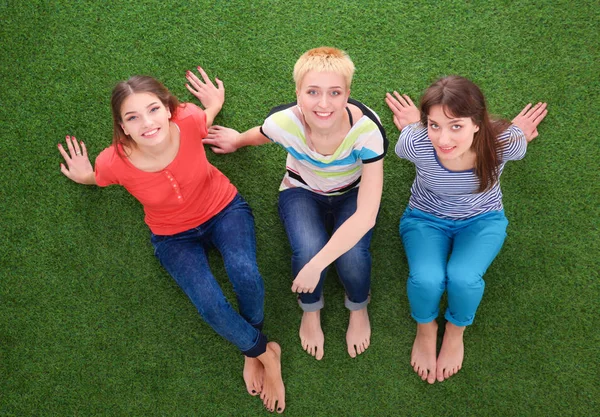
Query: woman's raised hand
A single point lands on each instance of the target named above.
(210, 96)
(529, 119)
(78, 168)
(405, 111)
(221, 139)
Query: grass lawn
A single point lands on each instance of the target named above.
(91, 325)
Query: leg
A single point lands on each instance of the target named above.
(303, 218)
(426, 245)
(184, 257)
(354, 270)
(476, 244)
(232, 233)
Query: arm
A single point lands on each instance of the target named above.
(404, 110)
(226, 140)
(529, 119)
(350, 232)
(211, 97)
(79, 168)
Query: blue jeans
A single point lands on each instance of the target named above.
(428, 240)
(307, 217)
(184, 256)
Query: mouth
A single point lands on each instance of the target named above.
(447, 149)
(150, 133)
(323, 115)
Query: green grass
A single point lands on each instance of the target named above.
(91, 325)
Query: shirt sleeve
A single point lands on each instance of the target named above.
(405, 147)
(269, 127)
(513, 144)
(102, 168)
(198, 115)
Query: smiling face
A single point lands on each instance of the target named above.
(451, 137)
(322, 97)
(145, 119)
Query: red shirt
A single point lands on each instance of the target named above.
(186, 193)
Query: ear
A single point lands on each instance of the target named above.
(476, 128)
(124, 130)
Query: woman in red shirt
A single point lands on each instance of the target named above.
(158, 156)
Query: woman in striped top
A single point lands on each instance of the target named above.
(329, 197)
(454, 225)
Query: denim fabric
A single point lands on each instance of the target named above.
(473, 243)
(184, 256)
(307, 218)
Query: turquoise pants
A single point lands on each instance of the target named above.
(449, 255)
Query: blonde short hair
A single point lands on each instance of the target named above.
(324, 59)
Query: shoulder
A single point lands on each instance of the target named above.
(513, 144)
(107, 164)
(190, 113)
(283, 124)
(412, 141)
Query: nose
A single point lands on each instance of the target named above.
(444, 138)
(323, 101)
(146, 120)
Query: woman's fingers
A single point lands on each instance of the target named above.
(401, 99)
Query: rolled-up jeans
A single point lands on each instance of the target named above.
(307, 217)
(184, 256)
(472, 244)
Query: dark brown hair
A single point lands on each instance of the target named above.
(136, 84)
(460, 97)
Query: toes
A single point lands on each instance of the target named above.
(352, 351)
(319, 354)
(440, 375)
(431, 377)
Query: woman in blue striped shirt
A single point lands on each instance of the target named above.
(454, 225)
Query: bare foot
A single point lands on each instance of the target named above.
(422, 358)
(452, 352)
(254, 372)
(358, 336)
(311, 334)
(273, 391)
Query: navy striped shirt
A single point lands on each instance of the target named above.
(453, 194)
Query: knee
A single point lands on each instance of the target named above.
(427, 279)
(354, 264)
(463, 277)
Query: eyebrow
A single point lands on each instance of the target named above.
(451, 121)
(318, 86)
(149, 105)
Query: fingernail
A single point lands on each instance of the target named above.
(253, 392)
(279, 409)
(59, 145)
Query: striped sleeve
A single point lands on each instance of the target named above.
(513, 144)
(405, 148)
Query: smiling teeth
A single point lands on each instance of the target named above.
(322, 114)
(151, 132)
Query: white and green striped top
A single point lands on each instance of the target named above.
(325, 174)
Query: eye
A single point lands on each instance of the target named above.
(131, 118)
(433, 126)
(153, 109)
(312, 92)
(456, 127)
(335, 93)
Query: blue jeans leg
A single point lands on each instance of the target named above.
(303, 217)
(426, 246)
(184, 257)
(354, 266)
(477, 242)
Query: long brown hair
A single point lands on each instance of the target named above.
(460, 97)
(136, 84)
